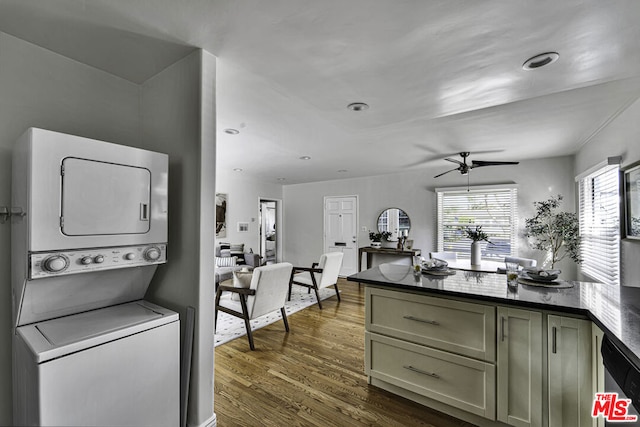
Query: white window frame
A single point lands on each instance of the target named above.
(510, 192)
(599, 217)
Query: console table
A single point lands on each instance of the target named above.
(407, 253)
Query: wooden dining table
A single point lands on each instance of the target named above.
(485, 266)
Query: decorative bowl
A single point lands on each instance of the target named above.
(435, 264)
(542, 275)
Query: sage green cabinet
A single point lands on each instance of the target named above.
(597, 367)
(519, 367)
(569, 379)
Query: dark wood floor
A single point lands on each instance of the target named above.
(312, 376)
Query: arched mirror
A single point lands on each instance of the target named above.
(395, 221)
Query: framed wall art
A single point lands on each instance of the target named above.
(632, 203)
(221, 215)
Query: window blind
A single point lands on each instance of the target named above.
(495, 208)
(600, 224)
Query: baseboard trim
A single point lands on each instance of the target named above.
(211, 422)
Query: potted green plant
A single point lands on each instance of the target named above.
(476, 235)
(555, 232)
(376, 238)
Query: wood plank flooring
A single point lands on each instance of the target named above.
(312, 376)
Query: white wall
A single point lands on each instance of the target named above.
(244, 193)
(620, 138)
(42, 89)
(414, 193)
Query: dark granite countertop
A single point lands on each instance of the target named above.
(615, 309)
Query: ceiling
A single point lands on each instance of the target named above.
(440, 76)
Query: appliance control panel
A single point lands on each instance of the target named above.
(49, 264)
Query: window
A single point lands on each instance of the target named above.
(600, 224)
(495, 208)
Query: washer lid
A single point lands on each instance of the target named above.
(70, 329)
(58, 337)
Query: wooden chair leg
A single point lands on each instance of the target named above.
(215, 314)
(284, 319)
(337, 291)
(315, 288)
(247, 324)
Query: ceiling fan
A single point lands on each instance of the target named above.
(464, 168)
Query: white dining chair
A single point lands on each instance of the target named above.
(524, 262)
(446, 256)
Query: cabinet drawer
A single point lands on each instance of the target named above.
(459, 327)
(458, 381)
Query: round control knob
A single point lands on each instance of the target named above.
(152, 253)
(130, 256)
(99, 259)
(55, 263)
(86, 260)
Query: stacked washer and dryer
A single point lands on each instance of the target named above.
(88, 350)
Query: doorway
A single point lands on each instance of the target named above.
(268, 231)
(341, 230)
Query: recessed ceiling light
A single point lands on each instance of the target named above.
(358, 106)
(281, 179)
(232, 131)
(305, 158)
(342, 171)
(540, 60)
(237, 169)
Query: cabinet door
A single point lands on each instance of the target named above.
(597, 367)
(519, 367)
(569, 372)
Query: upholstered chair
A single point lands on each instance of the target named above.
(266, 292)
(321, 274)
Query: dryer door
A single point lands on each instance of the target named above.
(100, 198)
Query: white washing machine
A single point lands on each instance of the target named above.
(114, 366)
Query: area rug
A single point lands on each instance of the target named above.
(230, 327)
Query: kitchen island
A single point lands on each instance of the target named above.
(524, 357)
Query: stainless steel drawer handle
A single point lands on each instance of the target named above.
(431, 322)
(420, 371)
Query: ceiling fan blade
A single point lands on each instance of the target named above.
(479, 163)
(447, 172)
(455, 161)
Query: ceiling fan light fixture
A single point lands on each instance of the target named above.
(358, 106)
(540, 60)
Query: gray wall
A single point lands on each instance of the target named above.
(414, 193)
(43, 89)
(178, 111)
(172, 113)
(620, 138)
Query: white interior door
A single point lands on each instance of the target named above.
(340, 230)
